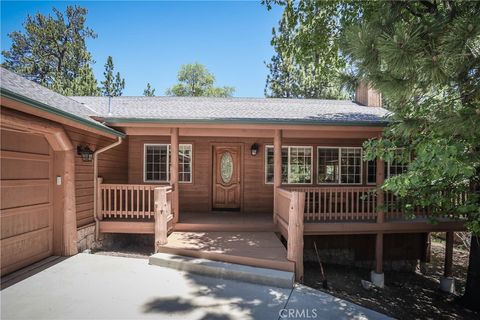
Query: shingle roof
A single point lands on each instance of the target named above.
(255, 110)
(40, 97)
(191, 109)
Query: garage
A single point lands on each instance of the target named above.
(26, 199)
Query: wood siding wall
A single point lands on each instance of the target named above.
(257, 196)
(112, 166)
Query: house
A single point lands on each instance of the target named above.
(75, 166)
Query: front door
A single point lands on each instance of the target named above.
(226, 177)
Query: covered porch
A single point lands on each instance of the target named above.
(177, 210)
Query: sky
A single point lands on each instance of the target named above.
(150, 40)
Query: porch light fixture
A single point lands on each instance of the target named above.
(254, 149)
(85, 152)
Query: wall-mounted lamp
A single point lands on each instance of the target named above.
(254, 149)
(85, 152)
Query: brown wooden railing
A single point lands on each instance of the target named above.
(126, 201)
(289, 216)
(349, 204)
(142, 202)
(323, 204)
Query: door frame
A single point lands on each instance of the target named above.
(212, 146)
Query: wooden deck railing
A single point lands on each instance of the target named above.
(323, 204)
(350, 204)
(126, 201)
(143, 202)
(289, 217)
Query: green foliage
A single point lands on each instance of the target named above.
(425, 59)
(52, 52)
(195, 81)
(149, 91)
(308, 63)
(112, 86)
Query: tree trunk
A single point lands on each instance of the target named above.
(471, 298)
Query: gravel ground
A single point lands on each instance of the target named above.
(406, 295)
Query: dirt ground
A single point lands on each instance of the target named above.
(406, 295)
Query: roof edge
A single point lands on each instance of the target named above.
(248, 121)
(44, 107)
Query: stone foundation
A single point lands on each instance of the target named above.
(86, 239)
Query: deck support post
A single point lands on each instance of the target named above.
(377, 277)
(161, 217)
(277, 169)
(447, 282)
(295, 233)
(174, 174)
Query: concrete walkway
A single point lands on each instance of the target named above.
(103, 287)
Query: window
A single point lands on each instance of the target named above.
(157, 163)
(397, 166)
(185, 163)
(371, 172)
(328, 165)
(391, 168)
(296, 165)
(339, 165)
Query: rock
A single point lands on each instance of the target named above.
(367, 285)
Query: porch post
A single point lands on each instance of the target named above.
(277, 169)
(447, 282)
(377, 277)
(380, 179)
(174, 173)
(161, 217)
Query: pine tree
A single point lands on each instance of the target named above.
(149, 91)
(112, 86)
(307, 61)
(52, 51)
(424, 57)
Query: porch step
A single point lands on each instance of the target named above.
(256, 249)
(224, 270)
(248, 227)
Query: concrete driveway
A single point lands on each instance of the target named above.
(90, 286)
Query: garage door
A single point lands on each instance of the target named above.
(26, 200)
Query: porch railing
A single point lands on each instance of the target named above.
(289, 213)
(336, 204)
(138, 202)
(323, 204)
(126, 201)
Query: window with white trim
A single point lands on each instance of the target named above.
(339, 165)
(157, 163)
(185, 163)
(372, 172)
(328, 165)
(296, 164)
(392, 168)
(397, 166)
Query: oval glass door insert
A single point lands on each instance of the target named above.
(226, 167)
